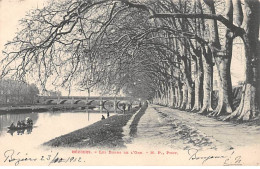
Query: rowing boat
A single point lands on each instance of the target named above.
(20, 128)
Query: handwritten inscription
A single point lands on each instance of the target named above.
(12, 156)
(18, 157)
(194, 156)
(233, 160)
(228, 160)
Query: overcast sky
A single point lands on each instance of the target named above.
(11, 11)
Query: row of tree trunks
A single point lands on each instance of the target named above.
(181, 96)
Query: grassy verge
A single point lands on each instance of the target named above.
(133, 126)
(102, 134)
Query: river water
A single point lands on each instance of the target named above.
(47, 126)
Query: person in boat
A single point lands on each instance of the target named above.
(23, 123)
(29, 121)
(18, 123)
(12, 125)
(103, 117)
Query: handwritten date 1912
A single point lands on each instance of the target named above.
(17, 158)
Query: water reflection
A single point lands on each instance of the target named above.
(20, 131)
(47, 126)
(7, 119)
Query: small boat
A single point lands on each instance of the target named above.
(22, 125)
(20, 128)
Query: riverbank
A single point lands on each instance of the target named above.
(106, 133)
(41, 108)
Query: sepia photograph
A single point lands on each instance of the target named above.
(129, 83)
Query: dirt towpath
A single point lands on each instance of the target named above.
(163, 127)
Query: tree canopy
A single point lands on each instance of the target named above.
(158, 50)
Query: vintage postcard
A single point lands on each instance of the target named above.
(129, 83)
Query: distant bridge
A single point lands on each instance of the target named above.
(77, 99)
(95, 102)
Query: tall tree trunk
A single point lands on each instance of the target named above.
(225, 86)
(198, 79)
(177, 97)
(187, 89)
(207, 80)
(171, 96)
(198, 82)
(223, 61)
(163, 99)
(159, 97)
(178, 94)
(249, 104)
(190, 97)
(184, 97)
(174, 100)
(168, 96)
(165, 95)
